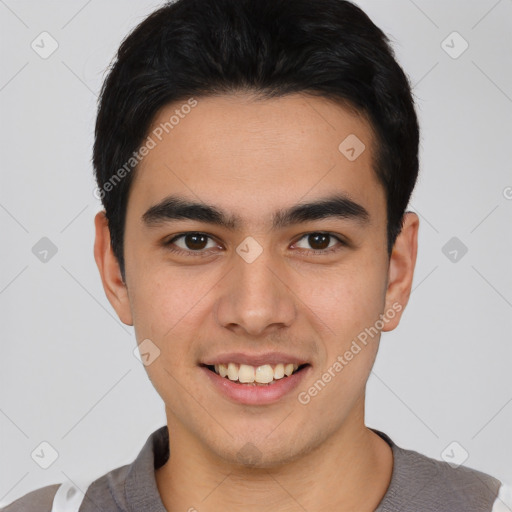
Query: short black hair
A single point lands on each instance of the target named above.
(196, 48)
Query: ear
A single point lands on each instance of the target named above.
(401, 269)
(113, 284)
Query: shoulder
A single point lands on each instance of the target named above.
(432, 484)
(503, 502)
(39, 500)
(419, 482)
(119, 489)
(106, 491)
(85, 495)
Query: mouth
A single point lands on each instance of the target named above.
(262, 375)
(255, 378)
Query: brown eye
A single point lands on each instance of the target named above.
(190, 243)
(195, 242)
(319, 242)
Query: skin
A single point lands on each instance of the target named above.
(251, 158)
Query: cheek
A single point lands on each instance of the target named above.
(347, 299)
(349, 308)
(167, 310)
(168, 304)
(346, 306)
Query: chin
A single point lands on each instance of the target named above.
(262, 451)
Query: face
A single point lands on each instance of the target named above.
(284, 261)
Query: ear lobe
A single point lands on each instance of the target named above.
(108, 266)
(401, 269)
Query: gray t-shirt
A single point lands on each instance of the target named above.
(418, 484)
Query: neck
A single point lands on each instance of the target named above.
(349, 471)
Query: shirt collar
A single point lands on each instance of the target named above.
(142, 492)
(141, 489)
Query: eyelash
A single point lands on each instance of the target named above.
(315, 252)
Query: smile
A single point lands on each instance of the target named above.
(247, 374)
(255, 385)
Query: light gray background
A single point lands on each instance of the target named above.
(67, 369)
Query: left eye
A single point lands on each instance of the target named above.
(320, 241)
(193, 241)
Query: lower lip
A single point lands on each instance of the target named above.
(255, 395)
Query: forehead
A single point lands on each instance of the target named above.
(251, 154)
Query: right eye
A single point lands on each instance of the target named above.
(193, 243)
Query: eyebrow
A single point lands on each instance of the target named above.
(174, 207)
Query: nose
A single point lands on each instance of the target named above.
(254, 298)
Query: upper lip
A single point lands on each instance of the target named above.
(271, 358)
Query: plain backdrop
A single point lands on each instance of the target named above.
(442, 382)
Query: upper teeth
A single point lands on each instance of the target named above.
(262, 374)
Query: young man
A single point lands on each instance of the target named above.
(255, 159)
